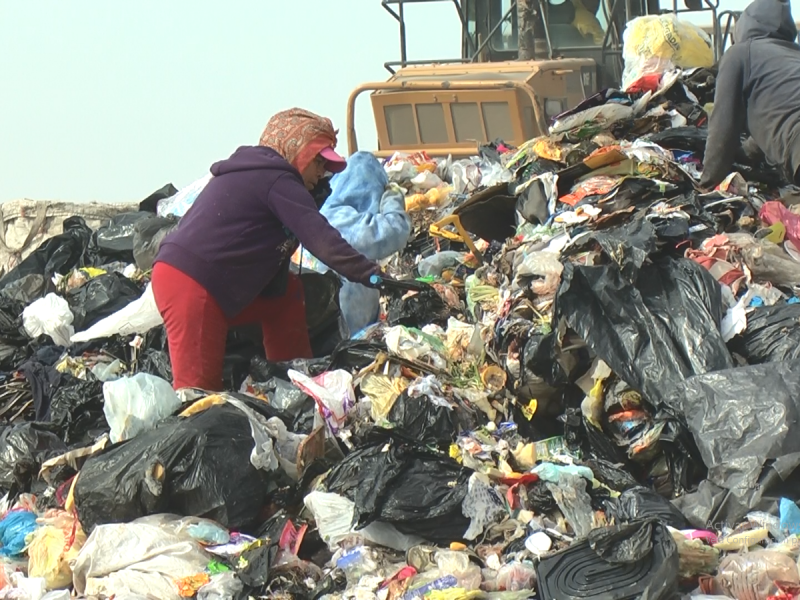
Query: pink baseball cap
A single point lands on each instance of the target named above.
(334, 162)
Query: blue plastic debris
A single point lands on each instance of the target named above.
(790, 517)
(14, 528)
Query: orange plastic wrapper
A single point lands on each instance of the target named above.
(188, 586)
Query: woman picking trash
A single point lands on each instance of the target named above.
(228, 261)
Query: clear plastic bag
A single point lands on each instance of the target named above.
(752, 576)
(482, 505)
(286, 445)
(436, 264)
(458, 564)
(203, 531)
(135, 404)
(51, 316)
(575, 503)
(179, 204)
(223, 586)
(516, 576)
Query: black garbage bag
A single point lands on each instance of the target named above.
(612, 475)
(418, 491)
(101, 297)
(194, 466)
(539, 498)
(644, 503)
(59, 254)
(23, 449)
(422, 420)
(628, 245)
(155, 362)
(150, 204)
(743, 422)
(76, 410)
(654, 333)
(354, 355)
(323, 312)
(114, 241)
(625, 562)
(418, 310)
(43, 380)
(13, 339)
(147, 237)
(25, 289)
(772, 335)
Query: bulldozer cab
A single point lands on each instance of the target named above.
(522, 63)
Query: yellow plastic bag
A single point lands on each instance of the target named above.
(382, 391)
(658, 43)
(52, 546)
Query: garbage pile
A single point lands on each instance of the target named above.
(582, 384)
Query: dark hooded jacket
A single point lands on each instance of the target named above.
(758, 91)
(240, 233)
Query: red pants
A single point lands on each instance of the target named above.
(197, 328)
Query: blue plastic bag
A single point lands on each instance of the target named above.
(790, 517)
(14, 528)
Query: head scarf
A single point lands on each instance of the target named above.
(298, 135)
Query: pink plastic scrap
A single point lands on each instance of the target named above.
(773, 212)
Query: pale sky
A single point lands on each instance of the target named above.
(110, 100)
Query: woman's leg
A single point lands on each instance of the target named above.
(283, 322)
(196, 329)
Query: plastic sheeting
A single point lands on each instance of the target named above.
(415, 490)
(136, 558)
(199, 465)
(135, 404)
(772, 334)
(743, 421)
(653, 333)
(101, 297)
(138, 317)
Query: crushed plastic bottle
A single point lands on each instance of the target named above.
(356, 563)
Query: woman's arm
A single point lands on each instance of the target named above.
(293, 205)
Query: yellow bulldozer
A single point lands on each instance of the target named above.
(522, 62)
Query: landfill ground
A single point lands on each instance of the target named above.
(588, 391)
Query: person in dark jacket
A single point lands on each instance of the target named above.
(227, 263)
(758, 91)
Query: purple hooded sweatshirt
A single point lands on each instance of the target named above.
(244, 226)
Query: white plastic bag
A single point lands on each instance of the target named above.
(223, 586)
(135, 558)
(333, 515)
(333, 392)
(138, 317)
(135, 404)
(179, 204)
(286, 445)
(414, 345)
(49, 316)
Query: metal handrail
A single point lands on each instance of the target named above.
(424, 86)
(399, 16)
